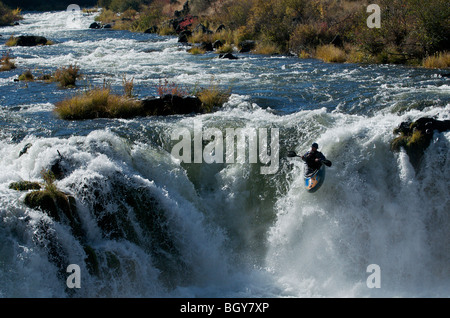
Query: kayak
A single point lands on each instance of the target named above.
(314, 181)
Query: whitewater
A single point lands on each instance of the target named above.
(152, 226)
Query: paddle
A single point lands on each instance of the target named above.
(292, 154)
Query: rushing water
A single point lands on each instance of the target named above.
(161, 228)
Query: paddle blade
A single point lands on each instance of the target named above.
(327, 163)
(291, 154)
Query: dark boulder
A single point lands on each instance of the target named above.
(207, 46)
(183, 36)
(95, 25)
(227, 56)
(171, 105)
(247, 46)
(31, 40)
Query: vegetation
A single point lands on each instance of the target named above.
(66, 76)
(439, 60)
(336, 31)
(103, 103)
(98, 103)
(27, 76)
(8, 16)
(213, 97)
(6, 64)
(12, 41)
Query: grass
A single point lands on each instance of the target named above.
(97, 103)
(27, 76)
(12, 41)
(6, 64)
(67, 76)
(213, 97)
(8, 16)
(439, 60)
(266, 48)
(330, 53)
(196, 50)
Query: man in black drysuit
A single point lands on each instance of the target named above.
(313, 159)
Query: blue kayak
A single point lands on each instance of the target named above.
(314, 181)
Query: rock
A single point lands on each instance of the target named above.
(221, 28)
(95, 25)
(202, 29)
(24, 149)
(153, 29)
(107, 26)
(227, 56)
(172, 105)
(183, 36)
(31, 40)
(416, 136)
(247, 46)
(217, 44)
(207, 46)
(56, 204)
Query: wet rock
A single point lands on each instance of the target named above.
(415, 137)
(56, 204)
(31, 40)
(172, 105)
(228, 56)
(24, 149)
(95, 25)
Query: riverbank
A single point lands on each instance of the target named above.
(331, 31)
(9, 16)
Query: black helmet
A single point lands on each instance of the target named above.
(315, 145)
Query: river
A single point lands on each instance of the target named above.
(157, 227)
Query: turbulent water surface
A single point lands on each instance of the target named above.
(152, 226)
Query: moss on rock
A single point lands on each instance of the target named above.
(415, 137)
(25, 186)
